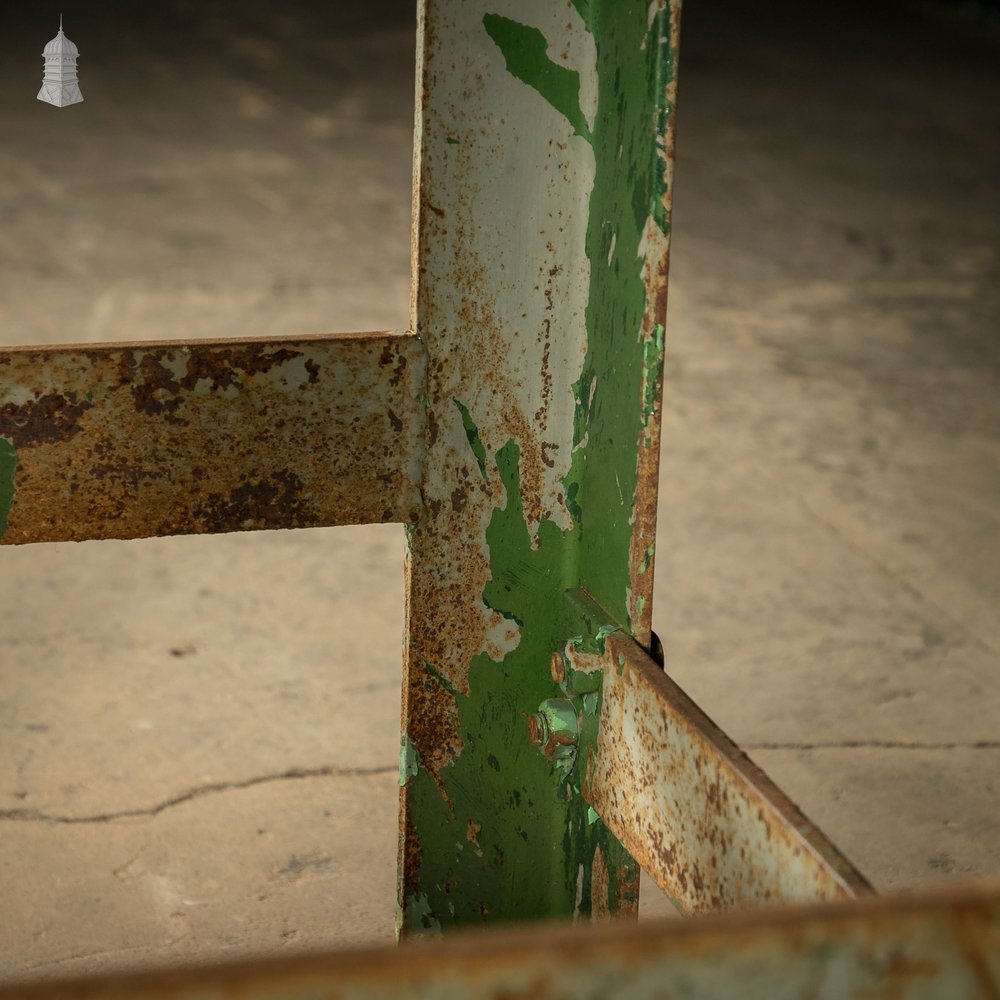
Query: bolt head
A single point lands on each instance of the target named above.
(538, 730)
(557, 668)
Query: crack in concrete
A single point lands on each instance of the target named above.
(88, 955)
(875, 744)
(294, 774)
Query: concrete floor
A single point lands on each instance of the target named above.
(198, 736)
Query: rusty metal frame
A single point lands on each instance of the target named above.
(515, 432)
(164, 438)
(943, 944)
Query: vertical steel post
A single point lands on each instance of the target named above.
(541, 206)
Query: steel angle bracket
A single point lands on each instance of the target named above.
(700, 817)
(542, 191)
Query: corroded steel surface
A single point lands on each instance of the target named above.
(133, 440)
(541, 224)
(697, 813)
(941, 945)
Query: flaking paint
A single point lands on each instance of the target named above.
(408, 760)
(540, 386)
(472, 433)
(635, 64)
(525, 51)
(532, 817)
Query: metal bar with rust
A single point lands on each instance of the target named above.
(697, 814)
(939, 945)
(167, 438)
(542, 207)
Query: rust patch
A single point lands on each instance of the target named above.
(628, 892)
(472, 829)
(642, 543)
(398, 371)
(409, 853)
(266, 503)
(156, 389)
(432, 429)
(600, 908)
(557, 670)
(432, 725)
(48, 419)
(531, 464)
(133, 440)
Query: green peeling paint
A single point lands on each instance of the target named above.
(592, 642)
(8, 466)
(580, 682)
(420, 917)
(634, 65)
(647, 558)
(533, 832)
(525, 51)
(603, 632)
(472, 433)
(409, 760)
(560, 717)
(652, 367)
(533, 836)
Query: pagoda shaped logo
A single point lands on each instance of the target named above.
(59, 85)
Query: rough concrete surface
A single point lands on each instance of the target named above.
(198, 736)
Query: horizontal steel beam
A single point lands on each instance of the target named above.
(695, 812)
(941, 945)
(168, 438)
